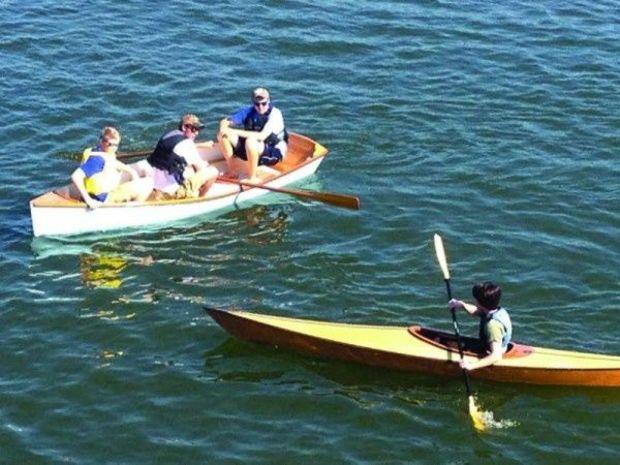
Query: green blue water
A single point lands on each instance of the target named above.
(495, 124)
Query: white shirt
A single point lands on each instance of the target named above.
(275, 125)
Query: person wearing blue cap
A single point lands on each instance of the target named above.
(255, 133)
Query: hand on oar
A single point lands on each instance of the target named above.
(338, 200)
(475, 414)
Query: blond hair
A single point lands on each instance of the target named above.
(190, 119)
(110, 132)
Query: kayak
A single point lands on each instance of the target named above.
(420, 349)
(62, 212)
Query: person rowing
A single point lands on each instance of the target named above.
(495, 329)
(178, 169)
(255, 133)
(99, 176)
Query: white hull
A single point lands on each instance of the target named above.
(59, 220)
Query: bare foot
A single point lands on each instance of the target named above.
(230, 174)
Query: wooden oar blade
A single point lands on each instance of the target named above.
(441, 256)
(338, 200)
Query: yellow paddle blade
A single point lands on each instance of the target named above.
(441, 256)
(477, 417)
(484, 420)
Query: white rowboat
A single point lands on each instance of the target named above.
(61, 212)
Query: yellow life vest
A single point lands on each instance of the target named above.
(106, 180)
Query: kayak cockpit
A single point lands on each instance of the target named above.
(471, 346)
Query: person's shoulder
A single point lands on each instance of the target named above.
(93, 164)
(495, 325)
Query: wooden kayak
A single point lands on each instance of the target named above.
(416, 348)
(62, 212)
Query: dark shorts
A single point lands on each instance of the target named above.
(270, 156)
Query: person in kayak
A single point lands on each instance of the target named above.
(495, 326)
(256, 134)
(99, 176)
(178, 169)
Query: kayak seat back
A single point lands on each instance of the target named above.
(471, 346)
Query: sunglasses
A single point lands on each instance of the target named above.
(111, 143)
(261, 104)
(193, 128)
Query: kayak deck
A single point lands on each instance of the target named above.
(419, 349)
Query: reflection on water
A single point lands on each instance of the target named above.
(44, 247)
(270, 223)
(102, 270)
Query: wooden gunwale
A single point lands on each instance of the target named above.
(60, 201)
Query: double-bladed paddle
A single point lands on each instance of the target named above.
(338, 200)
(474, 413)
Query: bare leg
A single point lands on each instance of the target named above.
(226, 148)
(208, 176)
(253, 149)
(138, 189)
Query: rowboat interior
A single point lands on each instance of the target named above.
(301, 150)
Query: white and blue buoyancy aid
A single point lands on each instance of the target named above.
(254, 121)
(100, 178)
(500, 315)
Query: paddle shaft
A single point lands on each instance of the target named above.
(459, 341)
(338, 200)
(443, 264)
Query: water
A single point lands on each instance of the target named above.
(494, 124)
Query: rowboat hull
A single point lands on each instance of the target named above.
(419, 349)
(61, 213)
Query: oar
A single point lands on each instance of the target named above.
(339, 200)
(474, 413)
(119, 156)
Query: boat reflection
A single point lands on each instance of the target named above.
(269, 223)
(102, 270)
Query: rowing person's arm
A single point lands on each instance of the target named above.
(469, 308)
(495, 356)
(274, 125)
(119, 165)
(78, 178)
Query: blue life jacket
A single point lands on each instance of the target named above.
(502, 316)
(254, 121)
(164, 158)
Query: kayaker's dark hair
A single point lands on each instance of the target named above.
(488, 294)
